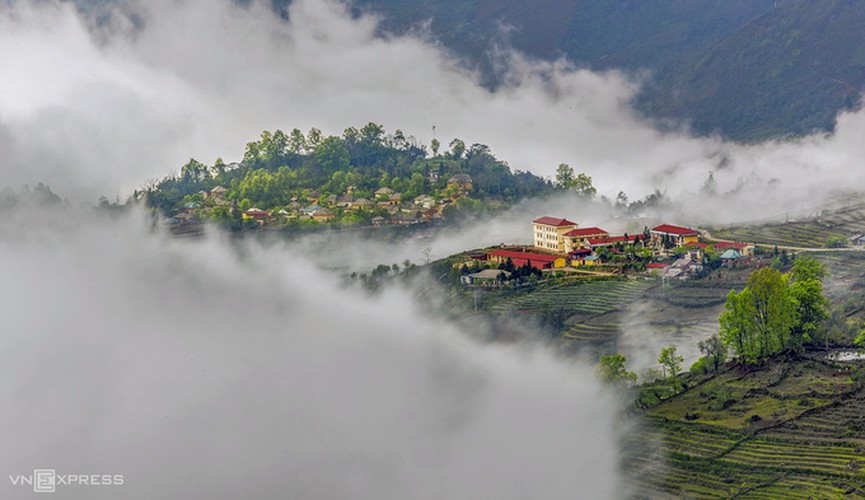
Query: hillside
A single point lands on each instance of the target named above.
(746, 69)
(750, 70)
(364, 177)
(786, 72)
(789, 428)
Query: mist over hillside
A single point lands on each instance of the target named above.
(212, 367)
(749, 70)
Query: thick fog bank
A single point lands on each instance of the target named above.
(134, 95)
(196, 374)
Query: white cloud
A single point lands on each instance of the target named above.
(95, 110)
(200, 374)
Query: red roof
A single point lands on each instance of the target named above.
(511, 254)
(585, 231)
(552, 221)
(580, 251)
(730, 244)
(613, 239)
(657, 265)
(677, 230)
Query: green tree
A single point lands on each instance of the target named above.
(611, 370)
(458, 148)
(758, 320)
(811, 306)
(713, 350)
(583, 186)
(313, 139)
(580, 184)
(671, 362)
(332, 155)
(564, 176)
(296, 142)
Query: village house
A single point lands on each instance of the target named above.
(577, 238)
(743, 248)
(694, 250)
(257, 214)
(361, 204)
(656, 267)
(218, 192)
(729, 258)
(583, 259)
(385, 191)
(323, 215)
(612, 240)
(519, 259)
(679, 235)
(549, 233)
(462, 181)
(857, 240)
(344, 201)
(308, 210)
(426, 201)
(486, 277)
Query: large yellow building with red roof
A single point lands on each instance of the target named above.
(549, 233)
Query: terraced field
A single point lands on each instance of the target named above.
(843, 222)
(587, 298)
(790, 429)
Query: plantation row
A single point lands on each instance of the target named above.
(591, 298)
(845, 422)
(796, 456)
(797, 234)
(583, 331)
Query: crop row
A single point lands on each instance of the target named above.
(793, 234)
(588, 298)
(583, 331)
(801, 457)
(804, 487)
(697, 445)
(665, 477)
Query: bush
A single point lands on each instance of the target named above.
(701, 367)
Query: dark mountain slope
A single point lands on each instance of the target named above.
(787, 72)
(748, 69)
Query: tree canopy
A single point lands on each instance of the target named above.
(775, 311)
(278, 167)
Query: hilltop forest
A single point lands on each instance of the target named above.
(351, 179)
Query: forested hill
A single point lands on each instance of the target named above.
(749, 69)
(353, 178)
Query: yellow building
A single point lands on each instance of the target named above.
(679, 235)
(548, 233)
(578, 238)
